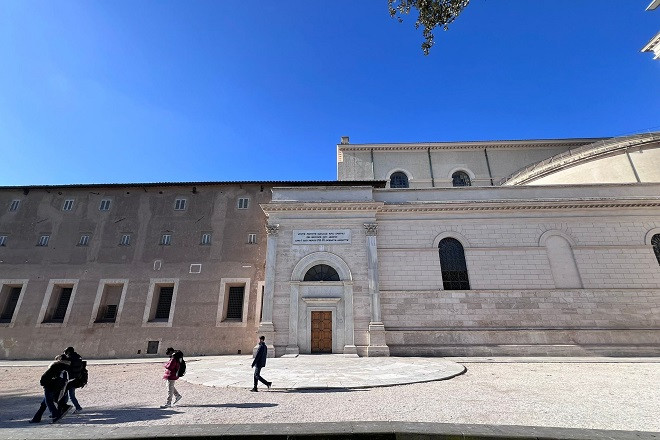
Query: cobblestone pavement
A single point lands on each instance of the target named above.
(621, 395)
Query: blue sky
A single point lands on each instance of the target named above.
(150, 91)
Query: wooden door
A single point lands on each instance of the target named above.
(321, 332)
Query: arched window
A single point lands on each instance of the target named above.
(461, 178)
(655, 242)
(452, 264)
(321, 272)
(398, 180)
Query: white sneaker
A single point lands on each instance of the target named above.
(176, 399)
(167, 405)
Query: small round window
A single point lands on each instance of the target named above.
(460, 178)
(321, 272)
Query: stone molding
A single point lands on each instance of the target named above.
(371, 228)
(473, 145)
(272, 230)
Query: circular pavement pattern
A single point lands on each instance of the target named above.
(320, 371)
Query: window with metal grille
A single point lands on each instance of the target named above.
(109, 313)
(655, 242)
(166, 240)
(3, 240)
(206, 239)
(62, 304)
(43, 240)
(399, 180)
(452, 265)
(14, 205)
(152, 347)
(68, 205)
(84, 240)
(10, 305)
(460, 178)
(252, 238)
(105, 205)
(243, 203)
(164, 303)
(321, 272)
(125, 240)
(180, 204)
(235, 302)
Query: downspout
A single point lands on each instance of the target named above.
(490, 174)
(431, 167)
(632, 165)
(373, 167)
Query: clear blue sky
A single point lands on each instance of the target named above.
(145, 91)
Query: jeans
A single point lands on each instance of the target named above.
(257, 377)
(72, 396)
(49, 397)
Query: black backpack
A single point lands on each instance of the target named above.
(182, 364)
(81, 380)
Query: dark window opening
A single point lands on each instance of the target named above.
(460, 178)
(655, 242)
(10, 305)
(164, 303)
(398, 180)
(235, 302)
(152, 347)
(108, 314)
(321, 272)
(452, 265)
(62, 304)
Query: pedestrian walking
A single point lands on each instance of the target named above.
(259, 362)
(171, 375)
(54, 382)
(76, 379)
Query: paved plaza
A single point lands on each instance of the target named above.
(124, 396)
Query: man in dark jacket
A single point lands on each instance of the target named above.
(259, 362)
(75, 373)
(54, 381)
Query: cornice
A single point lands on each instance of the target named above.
(521, 205)
(325, 206)
(475, 145)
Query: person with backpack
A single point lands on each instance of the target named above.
(172, 369)
(54, 382)
(77, 370)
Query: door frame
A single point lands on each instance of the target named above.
(336, 347)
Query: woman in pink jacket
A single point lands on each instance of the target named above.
(171, 375)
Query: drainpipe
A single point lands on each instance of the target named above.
(373, 167)
(490, 174)
(632, 165)
(431, 167)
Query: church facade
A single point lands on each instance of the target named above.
(463, 248)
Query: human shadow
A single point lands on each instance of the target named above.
(326, 390)
(231, 405)
(17, 410)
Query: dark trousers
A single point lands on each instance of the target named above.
(257, 377)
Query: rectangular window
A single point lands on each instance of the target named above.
(14, 205)
(152, 347)
(43, 240)
(125, 240)
(84, 240)
(243, 203)
(166, 240)
(13, 293)
(105, 205)
(235, 303)
(68, 205)
(62, 304)
(164, 303)
(252, 238)
(180, 204)
(3, 240)
(206, 239)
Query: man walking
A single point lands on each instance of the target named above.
(259, 362)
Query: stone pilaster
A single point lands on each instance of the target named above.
(266, 326)
(377, 345)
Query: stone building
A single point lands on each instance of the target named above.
(474, 248)
(463, 248)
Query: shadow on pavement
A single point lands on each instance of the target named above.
(17, 410)
(327, 390)
(231, 405)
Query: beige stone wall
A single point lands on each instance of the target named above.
(146, 213)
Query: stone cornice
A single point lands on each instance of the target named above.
(475, 145)
(520, 205)
(325, 206)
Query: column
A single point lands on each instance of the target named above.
(266, 326)
(377, 345)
